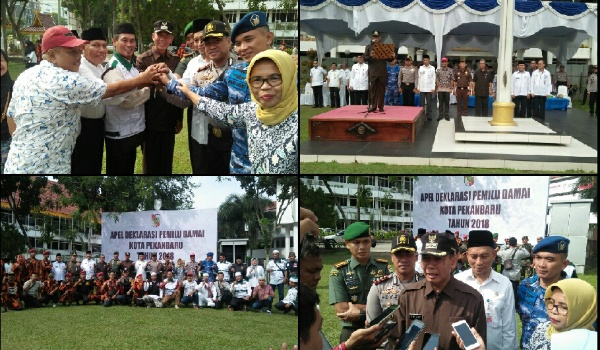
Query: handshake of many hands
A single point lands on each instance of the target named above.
(157, 76)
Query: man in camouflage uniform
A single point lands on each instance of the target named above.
(45, 266)
(350, 280)
(526, 267)
(73, 266)
(32, 264)
(115, 265)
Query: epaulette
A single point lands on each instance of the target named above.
(382, 260)
(341, 264)
(203, 68)
(382, 279)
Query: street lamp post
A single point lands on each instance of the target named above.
(347, 52)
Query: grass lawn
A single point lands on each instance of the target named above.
(331, 326)
(120, 327)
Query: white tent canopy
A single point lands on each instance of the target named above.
(416, 25)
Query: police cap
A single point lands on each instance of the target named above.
(356, 230)
(553, 244)
(403, 241)
(481, 238)
(215, 29)
(163, 26)
(439, 244)
(250, 21)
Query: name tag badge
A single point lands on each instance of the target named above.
(415, 317)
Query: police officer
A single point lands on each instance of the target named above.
(526, 267)
(407, 81)
(386, 290)
(439, 299)
(127, 264)
(291, 267)
(550, 258)
(155, 266)
(392, 96)
(163, 120)
(462, 88)
(102, 265)
(115, 265)
(377, 76)
(350, 280)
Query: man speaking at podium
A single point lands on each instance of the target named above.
(377, 76)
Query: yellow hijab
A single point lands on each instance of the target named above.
(289, 92)
(581, 304)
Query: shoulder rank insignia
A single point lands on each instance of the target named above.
(382, 279)
(203, 68)
(334, 273)
(382, 260)
(341, 264)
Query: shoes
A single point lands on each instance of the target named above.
(447, 118)
(315, 106)
(381, 110)
(269, 312)
(287, 311)
(439, 118)
(147, 306)
(177, 307)
(53, 305)
(195, 307)
(371, 109)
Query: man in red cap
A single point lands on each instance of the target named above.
(443, 85)
(44, 113)
(32, 263)
(45, 266)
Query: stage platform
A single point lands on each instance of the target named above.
(353, 123)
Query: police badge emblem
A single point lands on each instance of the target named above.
(354, 298)
(254, 20)
(209, 27)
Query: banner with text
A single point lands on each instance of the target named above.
(509, 205)
(172, 233)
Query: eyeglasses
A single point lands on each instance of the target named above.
(273, 80)
(562, 310)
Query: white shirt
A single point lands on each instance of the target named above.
(140, 268)
(192, 68)
(345, 76)
(240, 289)
(58, 270)
(317, 74)
(499, 301)
(334, 78)
(224, 267)
(253, 273)
(513, 274)
(88, 266)
(88, 70)
(34, 288)
(541, 83)
(359, 77)
(276, 276)
(426, 79)
(201, 288)
(170, 286)
(189, 287)
(418, 266)
(46, 108)
(520, 83)
(291, 296)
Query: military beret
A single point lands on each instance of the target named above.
(403, 241)
(68, 274)
(124, 28)
(495, 235)
(356, 230)
(250, 21)
(553, 244)
(188, 29)
(439, 244)
(100, 274)
(46, 252)
(82, 272)
(481, 238)
(210, 254)
(32, 250)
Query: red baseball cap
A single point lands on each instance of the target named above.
(445, 59)
(60, 36)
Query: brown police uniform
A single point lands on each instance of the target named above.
(462, 79)
(482, 80)
(407, 80)
(161, 116)
(377, 80)
(456, 301)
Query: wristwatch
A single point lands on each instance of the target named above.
(363, 314)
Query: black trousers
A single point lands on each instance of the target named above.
(318, 94)
(213, 158)
(238, 303)
(360, 97)
(121, 153)
(481, 106)
(346, 333)
(444, 99)
(87, 154)
(31, 301)
(347, 95)
(539, 107)
(225, 299)
(158, 151)
(408, 94)
(520, 106)
(377, 92)
(334, 96)
(593, 101)
(530, 108)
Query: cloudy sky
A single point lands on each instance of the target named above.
(212, 193)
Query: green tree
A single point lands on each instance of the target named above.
(326, 180)
(589, 190)
(237, 219)
(15, 18)
(285, 188)
(12, 242)
(319, 203)
(22, 193)
(363, 193)
(48, 231)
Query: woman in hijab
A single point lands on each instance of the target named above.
(271, 119)
(571, 305)
(7, 85)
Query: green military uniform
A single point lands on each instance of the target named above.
(349, 281)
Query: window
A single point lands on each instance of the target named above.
(291, 242)
(31, 241)
(383, 182)
(55, 245)
(352, 201)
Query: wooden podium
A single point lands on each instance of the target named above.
(384, 51)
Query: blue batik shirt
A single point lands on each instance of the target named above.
(231, 87)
